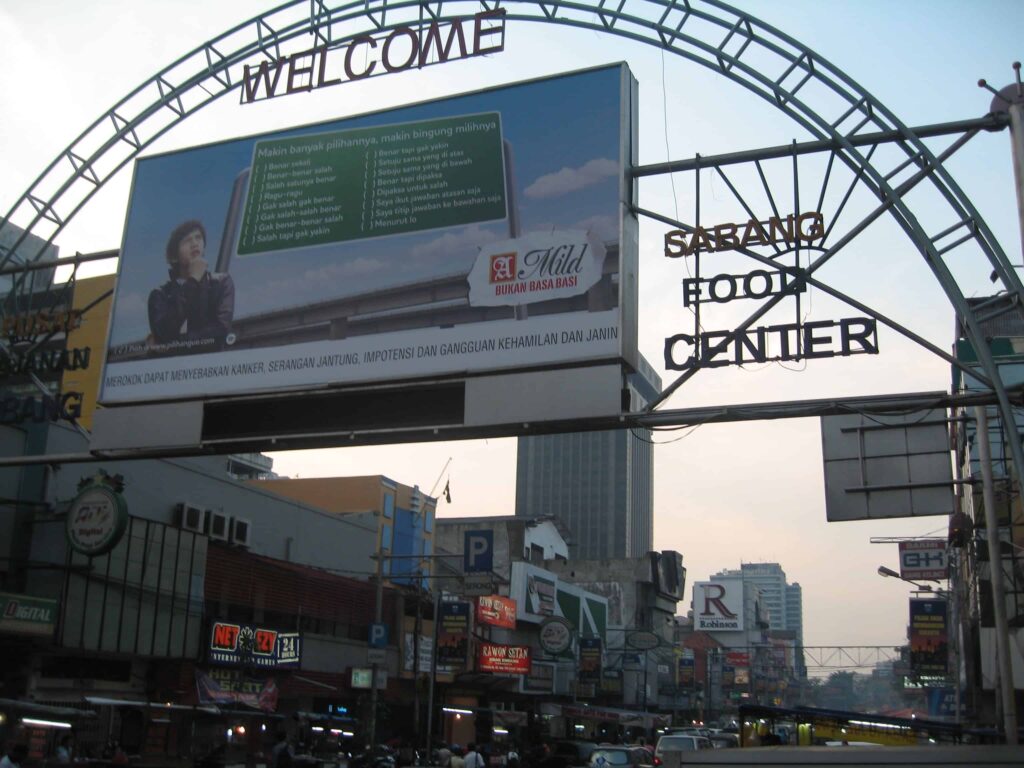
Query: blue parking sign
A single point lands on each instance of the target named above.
(478, 552)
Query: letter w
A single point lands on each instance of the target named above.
(251, 84)
(433, 37)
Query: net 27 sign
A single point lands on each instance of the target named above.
(249, 645)
(786, 341)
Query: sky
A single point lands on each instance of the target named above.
(723, 494)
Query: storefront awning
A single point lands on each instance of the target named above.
(100, 701)
(43, 710)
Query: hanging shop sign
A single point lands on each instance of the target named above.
(24, 615)
(923, 560)
(737, 658)
(44, 361)
(791, 230)
(787, 341)
(28, 325)
(505, 659)
(496, 611)
(248, 645)
(555, 635)
(16, 409)
(929, 652)
(590, 660)
(403, 48)
(453, 636)
(98, 515)
(642, 640)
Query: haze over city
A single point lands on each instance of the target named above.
(723, 494)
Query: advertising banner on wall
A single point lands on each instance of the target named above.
(235, 688)
(248, 645)
(590, 660)
(718, 605)
(506, 659)
(496, 611)
(928, 637)
(453, 636)
(404, 243)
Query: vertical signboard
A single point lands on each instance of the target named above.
(478, 551)
(453, 636)
(391, 246)
(718, 605)
(929, 654)
(590, 660)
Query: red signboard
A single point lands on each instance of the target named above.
(508, 659)
(495, 610)
(737, 658)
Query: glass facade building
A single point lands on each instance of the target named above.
(600, 484)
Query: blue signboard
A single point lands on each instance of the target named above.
(378, 635)
(478, 552)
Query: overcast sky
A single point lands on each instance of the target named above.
(724, 494)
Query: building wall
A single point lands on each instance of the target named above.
(599, 483)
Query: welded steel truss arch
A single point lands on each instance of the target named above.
(796, 80)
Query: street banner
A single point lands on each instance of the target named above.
(237, 689)
(496, 611)
(504, 659)
(453, 636)
(929, 653)
(590, 660)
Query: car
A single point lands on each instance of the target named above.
(671, 747)
(622, 757)
(722, 740)
(570, 754)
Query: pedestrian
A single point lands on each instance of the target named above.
(281, 755)
(15, 756)
(63, 753)
(444, 756)
(512, 757)
(473, 759)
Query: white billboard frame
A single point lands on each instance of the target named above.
(543, 325)
(718, 605)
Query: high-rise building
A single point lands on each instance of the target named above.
(781, 601)
(600, 484)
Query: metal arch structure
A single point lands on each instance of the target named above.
(794, 79)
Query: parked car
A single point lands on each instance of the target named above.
(724, 740)
(671, 747)
(570, 754)
(622, 757)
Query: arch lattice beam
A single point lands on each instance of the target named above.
(796, 80)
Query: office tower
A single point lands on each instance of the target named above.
(600, 484)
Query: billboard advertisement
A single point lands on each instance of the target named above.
(450, 237)
(718, 605)
(496, 611)
(589, 670)
(248, 645)
(505, 659)
(929, 653)
(453, 635)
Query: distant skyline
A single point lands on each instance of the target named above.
(724, 494)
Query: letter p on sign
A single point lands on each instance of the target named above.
(378, 635)
(478, 552)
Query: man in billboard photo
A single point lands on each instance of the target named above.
(193, 310)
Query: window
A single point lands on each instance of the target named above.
(428, 525)
(385, 538)
(389, 505)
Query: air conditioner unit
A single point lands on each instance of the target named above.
(219, 525)
(240, 530)
(190, 517)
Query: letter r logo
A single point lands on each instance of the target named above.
(713, 594)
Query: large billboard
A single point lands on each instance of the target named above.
(483, 232)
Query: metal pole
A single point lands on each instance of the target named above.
(378, 613)
(995, 563)
(433, 675)
(1016, 111)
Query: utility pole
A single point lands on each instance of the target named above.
(378, 613)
